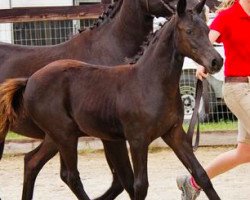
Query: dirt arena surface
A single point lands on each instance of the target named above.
(163, 167)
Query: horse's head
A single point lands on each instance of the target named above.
(163, 8)
(191, 36)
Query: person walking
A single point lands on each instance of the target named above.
(231, 26)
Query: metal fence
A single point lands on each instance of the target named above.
(47, 32)
(218, 111)
(54, 32)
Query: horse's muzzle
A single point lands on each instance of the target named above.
(216, 65)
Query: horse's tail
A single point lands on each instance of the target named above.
(11, 98)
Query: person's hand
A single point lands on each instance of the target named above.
(201, 72)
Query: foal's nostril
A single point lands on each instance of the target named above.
(214, 62)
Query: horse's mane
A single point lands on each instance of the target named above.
(110, 13)
(144, 46)
(151, 38)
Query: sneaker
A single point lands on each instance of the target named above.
(188, 191)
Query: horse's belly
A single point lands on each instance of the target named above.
(102, 130)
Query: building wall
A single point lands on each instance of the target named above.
(89, 1)
(5, 4)
(5, 29)
(36, 3)
(6, 34)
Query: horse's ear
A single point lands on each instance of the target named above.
(199, 6)
(181, 7)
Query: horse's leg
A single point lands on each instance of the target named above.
(1, 148)
(139, 153)
(117, 157)
(67, 145)
(68, 152)
(2, 141)
(64, 132)
(33, 163)
(177, 140)
(63, 171)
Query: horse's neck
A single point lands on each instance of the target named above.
(161, 61)
(132, 21)
(129, 29)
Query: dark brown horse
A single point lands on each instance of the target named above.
(117, 35)
(138, 102)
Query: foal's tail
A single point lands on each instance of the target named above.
(11, 98)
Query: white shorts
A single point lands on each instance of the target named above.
(237, 98)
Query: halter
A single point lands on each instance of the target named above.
(166, 5)
(169, 8)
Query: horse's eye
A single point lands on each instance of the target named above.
(189, 31)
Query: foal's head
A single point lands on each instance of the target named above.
(163, 7)
(192, 37)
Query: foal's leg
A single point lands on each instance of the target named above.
(177, 140)
(139, 153)
(117, 157)
(33, 163)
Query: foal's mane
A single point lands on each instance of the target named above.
(106, 15)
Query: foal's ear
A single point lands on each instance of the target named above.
(181, 7)
(199, 6)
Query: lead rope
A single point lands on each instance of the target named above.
(147, 5)
(195, 117)
(206, 95)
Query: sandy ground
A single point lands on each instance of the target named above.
(163, 167)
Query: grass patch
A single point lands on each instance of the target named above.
(156, 149)
(90, 151)
(218, 126)
(14, 136)
(204, 127)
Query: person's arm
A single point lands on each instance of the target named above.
(201, 72)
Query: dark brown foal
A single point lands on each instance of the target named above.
(138, 102)
(117, 34)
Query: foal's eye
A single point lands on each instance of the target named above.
(189, 31)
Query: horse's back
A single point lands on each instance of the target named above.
(76, 73)
(23, 61)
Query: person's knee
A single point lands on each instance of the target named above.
(243, 152)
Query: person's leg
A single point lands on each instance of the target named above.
(237, 97)
(229, 160)
(219, 165)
